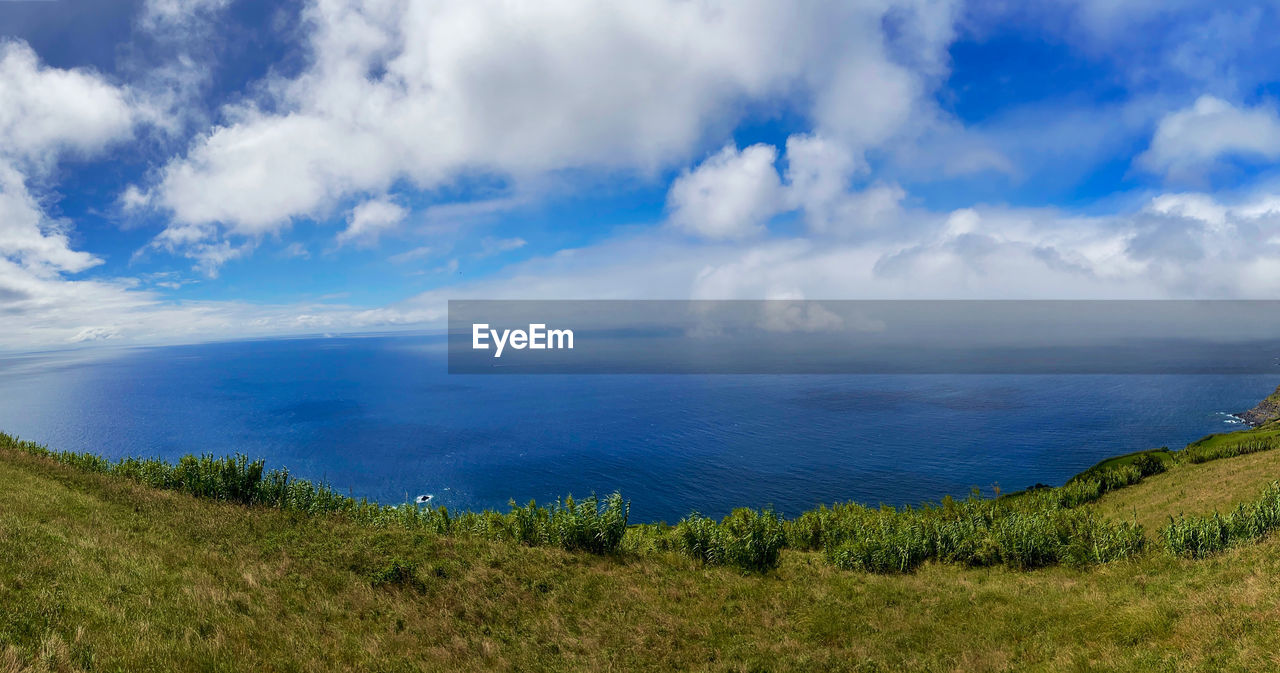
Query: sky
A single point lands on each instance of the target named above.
(184, 171)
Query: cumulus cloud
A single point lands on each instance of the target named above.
(818, 176)
(733, 194)
(980, 252)
(793, 315)
(970, 253)
(370, 220)
(174, 65)
(819, 170)
(47, 112)
(94, 334)
(437, 95)
(133, 199)
(201, 244)
(428, 91)
(28, 237)
(1190, 141)
(729, 196)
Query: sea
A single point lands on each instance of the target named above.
(380, 417)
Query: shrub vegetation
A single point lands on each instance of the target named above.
(748, 539)
(1201, 536)
(590, 524)
(1200, 453)
(1031, 529)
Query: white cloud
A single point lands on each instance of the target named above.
(729, 196)
(732, 195)
(428, 95)
(1190, 141)
(428, 91)
(295, 250)
(818, 177)
(176, 64)
(28, 237)
(60, 313)
(877, 206)
(819, 171)
(1175, 246)
(370, 220)
(420, 252)
(794, 315)
(1201, 207)
(168, 14)
(490, 246)
(94, 334)
(46, 112)
(980, 252)
(133, 199)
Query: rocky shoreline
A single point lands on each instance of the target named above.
(1265, 412)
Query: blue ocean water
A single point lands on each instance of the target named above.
(380, 417)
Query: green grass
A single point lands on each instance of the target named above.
(590, 524)
(1032, 531)
(1229, 445)
(1163, 454)
(139, 566)
(745, 539)
(1191, 487)
(103, 573)
(1045, 527)
(1198, 536)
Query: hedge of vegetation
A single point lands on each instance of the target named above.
(1201, 536)
(746, 539)
(1201, 453)
(591, 524)
(1039, 527)
(1030, 531)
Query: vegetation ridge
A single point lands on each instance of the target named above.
(1029, 529)
(405, 556)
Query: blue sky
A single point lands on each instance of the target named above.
(204, 169)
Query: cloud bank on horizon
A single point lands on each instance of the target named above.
(204, 169)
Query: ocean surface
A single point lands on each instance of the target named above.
(380, 417)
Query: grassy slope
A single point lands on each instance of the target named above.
(113, 576)
(1268, 431)
(1129, 458)
(1193, 489)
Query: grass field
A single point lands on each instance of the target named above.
(1193, 489)
(101, 573)
(1163, 454)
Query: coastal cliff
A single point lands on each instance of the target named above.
(1265, 412)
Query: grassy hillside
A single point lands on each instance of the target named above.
(1193, 489)
(98, 572)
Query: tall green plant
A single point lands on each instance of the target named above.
(1201, 536)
